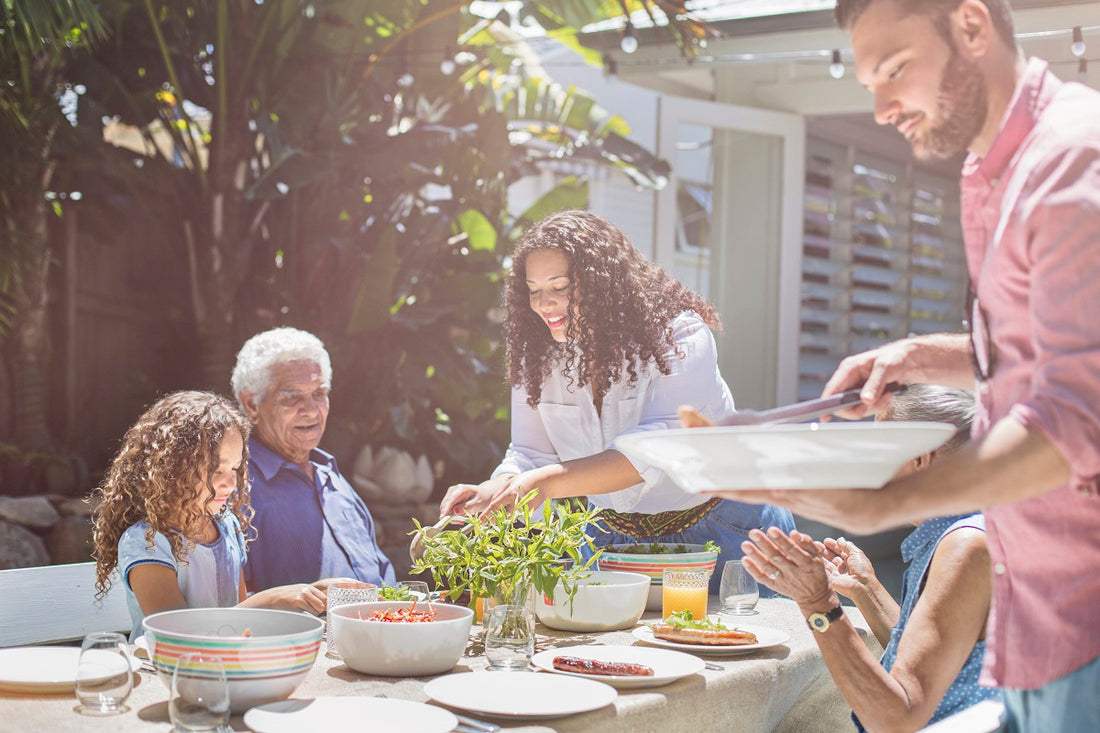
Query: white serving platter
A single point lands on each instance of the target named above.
(856, 455)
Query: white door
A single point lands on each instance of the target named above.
(729, 225)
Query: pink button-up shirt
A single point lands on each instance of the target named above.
(1031, 223)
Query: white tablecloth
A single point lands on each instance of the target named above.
(782, 688)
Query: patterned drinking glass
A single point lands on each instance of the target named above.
(343, 594)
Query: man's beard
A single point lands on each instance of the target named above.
(962, 106)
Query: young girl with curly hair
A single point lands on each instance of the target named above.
(174, 513)
(602, 343)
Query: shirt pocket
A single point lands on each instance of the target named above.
(628, 412)
(565, 428)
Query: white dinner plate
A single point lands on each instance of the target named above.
(765, 638)
(349, 715)
(982, 717)
(856, 455)
(520, 694)
(667, 666)
(43, 669)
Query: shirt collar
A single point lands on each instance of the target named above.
(1034, 91)
(925, 536)
(268, 462)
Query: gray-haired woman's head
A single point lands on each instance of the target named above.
(252, 372)
(933, 403)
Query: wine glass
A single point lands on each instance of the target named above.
(104, 676)
(738, 591)
(418, 588)
(200, 694)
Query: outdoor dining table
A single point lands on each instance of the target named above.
(786, 687)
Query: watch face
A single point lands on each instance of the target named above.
(819, 621)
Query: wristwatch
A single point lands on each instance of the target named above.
(820, 622)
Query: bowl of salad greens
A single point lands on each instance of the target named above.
(652, 558)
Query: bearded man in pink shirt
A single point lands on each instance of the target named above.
(949, 76)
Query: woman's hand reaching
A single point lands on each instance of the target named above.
(471, 499)
(503, 491)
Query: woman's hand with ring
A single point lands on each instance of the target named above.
(790, 564)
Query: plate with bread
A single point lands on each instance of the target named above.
(710, 635)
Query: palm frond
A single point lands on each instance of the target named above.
(36, 22)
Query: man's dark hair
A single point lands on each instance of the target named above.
(848, 12)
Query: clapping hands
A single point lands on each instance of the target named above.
(848, 568)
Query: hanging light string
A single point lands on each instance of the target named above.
(826, 53)
(411, 60)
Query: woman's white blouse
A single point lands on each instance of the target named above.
(565, 424)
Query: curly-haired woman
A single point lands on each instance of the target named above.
(175, 513)
(603, 343)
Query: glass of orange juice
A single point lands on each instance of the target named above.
(684, 590)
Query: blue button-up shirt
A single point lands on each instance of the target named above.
(917, 550)
(308, 529)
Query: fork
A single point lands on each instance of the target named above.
(470, 725)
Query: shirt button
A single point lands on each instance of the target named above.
(984, 388)
(999, 568)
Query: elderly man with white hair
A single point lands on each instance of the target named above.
(310, 523)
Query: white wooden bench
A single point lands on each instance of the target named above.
(57, 603)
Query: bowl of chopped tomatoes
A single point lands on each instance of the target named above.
(401, 638)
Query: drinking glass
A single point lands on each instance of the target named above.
(509, 637)
(684, 590)
(200, 694)
(739, 592)
(342, 594)
(104, 676)
(418, 588)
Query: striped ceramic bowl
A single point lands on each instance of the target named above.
(653, 564)
(266, 653)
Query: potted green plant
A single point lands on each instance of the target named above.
(504, 555)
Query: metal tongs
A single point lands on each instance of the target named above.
(416, 550)
(800, 411)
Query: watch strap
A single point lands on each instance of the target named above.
(820, 622)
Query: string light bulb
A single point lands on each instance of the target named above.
(447, 65)
(836, 67)
(629, 42)
(1077, 48)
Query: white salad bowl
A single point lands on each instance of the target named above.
(401, 649)
(606, 600)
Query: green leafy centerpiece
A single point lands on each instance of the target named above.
(502, 556)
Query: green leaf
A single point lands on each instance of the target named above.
(374, 297)
(480, 232)
(570, 193)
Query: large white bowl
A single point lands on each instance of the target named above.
(266, 653)
(858, 455)
(606, 600)
(394, 649)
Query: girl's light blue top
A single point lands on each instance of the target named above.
(209, 577)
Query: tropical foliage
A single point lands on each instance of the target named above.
(39, 40)
(344, 167)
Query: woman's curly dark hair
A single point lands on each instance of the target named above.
(165, 466)
(621, 307)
